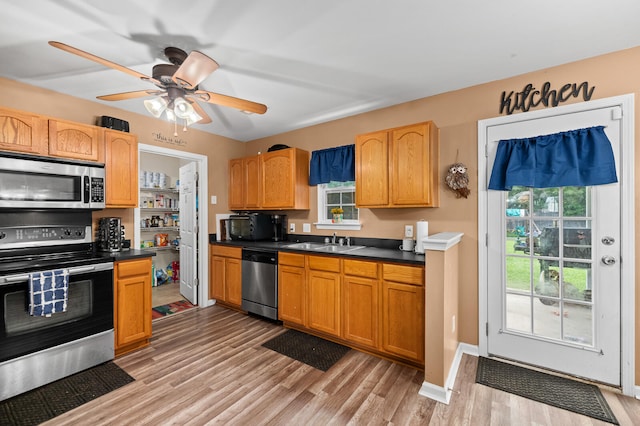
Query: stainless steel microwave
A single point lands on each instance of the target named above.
(28, 181)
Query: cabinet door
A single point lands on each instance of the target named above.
(216, 279)
(277, 169)
(74, 140)
(324, 302)
(252, 187)
(291, 294)
(236, 184)
(233, 281)
(360, 310)
(411, 166)
(23, 132)
(121, 169)
(403, 320)
(372, 170)
(133, 299)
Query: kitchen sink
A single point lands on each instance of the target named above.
(327, 248)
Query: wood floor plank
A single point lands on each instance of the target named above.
(208, 366)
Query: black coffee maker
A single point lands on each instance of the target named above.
(279, 227)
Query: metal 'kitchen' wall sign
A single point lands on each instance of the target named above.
(532, 97)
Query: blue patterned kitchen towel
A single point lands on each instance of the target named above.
(48, 292)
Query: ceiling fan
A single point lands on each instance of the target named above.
(177, 84)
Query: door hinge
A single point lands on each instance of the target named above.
(486, 150)
(486, 239)
(486, 328)
(195, 282)
(196, 177)
(195, 229)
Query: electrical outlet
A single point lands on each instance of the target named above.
(408, 231)
(292, 227)
(306, 227)
(214, 199)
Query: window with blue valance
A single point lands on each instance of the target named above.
(581, 157)
(332, 164)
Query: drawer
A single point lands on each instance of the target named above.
(291, 259)
(321, 263)
(130, 268)
(403, 274)
(360, 268)
(226, 251)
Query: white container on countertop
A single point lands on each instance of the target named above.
(422, 232)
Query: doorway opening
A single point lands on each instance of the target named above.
(171, 215)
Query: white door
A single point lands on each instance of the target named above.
(554, 283)
(189, 232)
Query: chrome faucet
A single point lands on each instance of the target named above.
(348, 241)
(333, 239)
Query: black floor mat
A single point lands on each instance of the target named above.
(53, 399)
(571, 395)
(312, 350)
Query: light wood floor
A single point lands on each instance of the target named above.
(207, 366)
(165, 294)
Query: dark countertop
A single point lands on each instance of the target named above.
(366, 253)
(127, 255)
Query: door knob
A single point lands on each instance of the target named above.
(608, 260)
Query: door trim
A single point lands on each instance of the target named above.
(203, 214)
(627, 223)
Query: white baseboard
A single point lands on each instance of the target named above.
(443, 394)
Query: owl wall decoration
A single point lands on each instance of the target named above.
(458, 180)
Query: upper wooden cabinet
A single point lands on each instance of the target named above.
(398, 167)
(244, 183)
(75, 140)
(121, 168)
(276, 180)
(23, 132)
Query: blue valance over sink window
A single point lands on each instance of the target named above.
(332, 164)
(581, 157)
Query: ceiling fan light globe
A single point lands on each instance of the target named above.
(156, 106)
(170, 115)
(182, 108)
(193, 118)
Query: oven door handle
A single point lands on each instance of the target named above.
(81, 269)
(15, 279)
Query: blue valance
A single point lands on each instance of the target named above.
(333, 164)
(579, 157)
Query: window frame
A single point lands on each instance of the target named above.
(325, 222)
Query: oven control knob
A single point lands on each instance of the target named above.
(2, 235)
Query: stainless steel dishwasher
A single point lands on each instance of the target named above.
(260, 282)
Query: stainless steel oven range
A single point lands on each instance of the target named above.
(38, 348)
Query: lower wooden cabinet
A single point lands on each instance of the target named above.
(403, 311)
(360, 289)
(291, 288)
(132, 307)
(225, 283)
(374, 306)
(324, 299)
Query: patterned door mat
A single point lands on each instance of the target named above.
(171, 308)
(571, 395)
(51, 400)
(314, 351)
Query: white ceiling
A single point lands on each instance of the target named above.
(308, 61)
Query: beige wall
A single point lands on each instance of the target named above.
(455, 113)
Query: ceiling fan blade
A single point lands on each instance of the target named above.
(194, 70)
(230, 101)
(102, 61)
(205, 118)
(129, 95)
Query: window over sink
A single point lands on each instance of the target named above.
(337, 197)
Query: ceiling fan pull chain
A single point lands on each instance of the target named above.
(175, 128)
